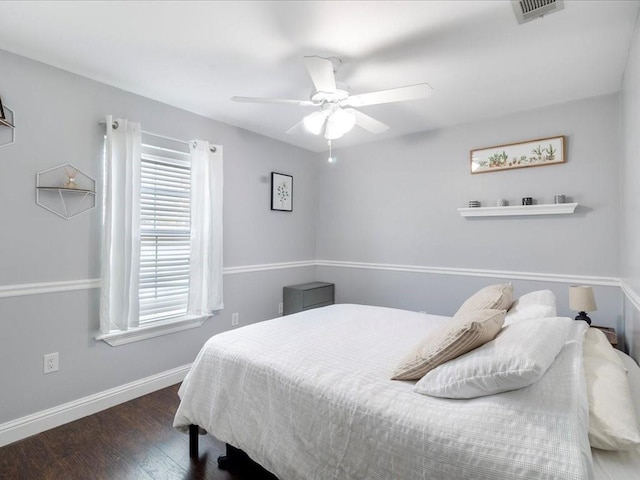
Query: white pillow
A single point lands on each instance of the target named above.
(539, 297)
(612, 419)
(520, 354)
(530, 312)
(597, 345)
(533, 305)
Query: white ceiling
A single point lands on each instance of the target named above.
(196, 55)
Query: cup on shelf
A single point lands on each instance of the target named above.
(527, 201)
(559, 199)
(501, 202)
(474, 203)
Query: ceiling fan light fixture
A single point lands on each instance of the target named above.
(332, 132)
(339, 122)
(345, 118)
(314, 122)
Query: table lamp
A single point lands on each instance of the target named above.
(581, 300)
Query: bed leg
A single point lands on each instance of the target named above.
(193, 441)
(234, 459)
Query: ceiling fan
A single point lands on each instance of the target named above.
(336, 112)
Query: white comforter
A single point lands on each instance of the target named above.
(308, 396)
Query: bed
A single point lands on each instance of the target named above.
(309, 397)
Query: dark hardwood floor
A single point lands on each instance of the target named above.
(134, 441)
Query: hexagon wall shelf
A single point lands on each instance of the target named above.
(65, 191)
(7, 129)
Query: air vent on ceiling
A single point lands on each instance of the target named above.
(527, 10)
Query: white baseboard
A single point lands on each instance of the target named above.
(53, 417)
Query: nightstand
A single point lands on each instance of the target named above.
(297, 298)
(610, 333)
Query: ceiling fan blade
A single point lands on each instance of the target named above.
(284, 101)
(321, 73)
(369, 123)
(297, 128)
(400, 94)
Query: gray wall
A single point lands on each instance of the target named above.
(387, 203)
(630, 200)
(57, 116)
(394, 202)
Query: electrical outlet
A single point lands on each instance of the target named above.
(280, 307)
(235, 318)
(51, 362)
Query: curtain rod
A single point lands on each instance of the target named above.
(115, 125)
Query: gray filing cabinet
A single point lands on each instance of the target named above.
(306, 296)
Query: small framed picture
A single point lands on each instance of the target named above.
(2, 110)
(281, 192)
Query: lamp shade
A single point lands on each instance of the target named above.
(581, 299)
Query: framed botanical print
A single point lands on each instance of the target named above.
(281, 192)
(530, 153)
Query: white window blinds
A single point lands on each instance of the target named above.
(165, 211)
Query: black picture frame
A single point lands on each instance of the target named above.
(281, 192)
(2, 117)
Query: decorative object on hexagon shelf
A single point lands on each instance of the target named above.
(65, 191)
(7, 119)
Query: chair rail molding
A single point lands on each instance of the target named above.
(39, 288)
(631, 295)
(48, 287)
(473, 272)
(268, 266)
(92, 283)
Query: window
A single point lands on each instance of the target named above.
(162, 234)
(165, 210)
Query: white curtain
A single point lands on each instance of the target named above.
(205, 273)
(119, 301)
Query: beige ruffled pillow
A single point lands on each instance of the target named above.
(461, 335)
(494, 297)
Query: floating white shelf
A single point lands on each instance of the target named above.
(550, 209)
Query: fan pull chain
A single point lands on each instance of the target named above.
(331, 157)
